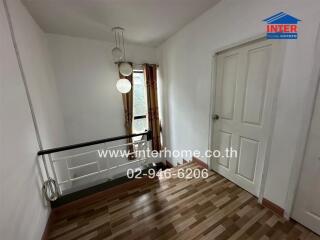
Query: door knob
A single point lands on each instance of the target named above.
(215, 117)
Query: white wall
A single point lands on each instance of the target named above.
(32, 44)
(23, 212)
(92, 107)
(86, 78)
(185, 62)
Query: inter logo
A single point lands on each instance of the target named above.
(282, 26)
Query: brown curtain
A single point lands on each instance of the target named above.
(153, 109)
(127, 99)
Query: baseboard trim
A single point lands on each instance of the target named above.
(168, 164)
(273, 207)
(199, 162)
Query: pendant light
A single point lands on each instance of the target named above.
(125, 68)
(123, 85)
(119, 55)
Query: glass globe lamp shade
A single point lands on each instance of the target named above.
(123, 85)
(125, 69)
(117, 54)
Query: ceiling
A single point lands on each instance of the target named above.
(147, 22)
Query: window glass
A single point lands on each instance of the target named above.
(140, 104)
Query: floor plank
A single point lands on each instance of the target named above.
(211, 208)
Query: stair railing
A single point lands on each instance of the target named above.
(53, 185)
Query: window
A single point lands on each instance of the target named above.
(140, 103)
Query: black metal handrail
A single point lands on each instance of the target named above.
(95, 142)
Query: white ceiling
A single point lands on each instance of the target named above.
(147, 22)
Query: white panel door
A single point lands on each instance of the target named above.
(245, 87)
(307, 204)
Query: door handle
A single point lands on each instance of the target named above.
(215, 117)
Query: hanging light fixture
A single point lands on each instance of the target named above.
(123, 85)
(125, 68)
(119, 55)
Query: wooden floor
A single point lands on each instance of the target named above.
(212, 208)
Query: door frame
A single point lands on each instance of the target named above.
(300, 151)
(281, 53)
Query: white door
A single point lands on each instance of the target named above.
(245, 87)
(307, 205)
